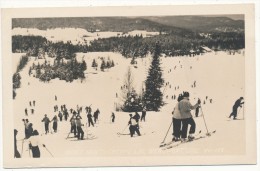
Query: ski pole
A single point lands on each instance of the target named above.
(167, 133)
(48, 151)
(243, 110)
(124, 129)
(204, 121)
(22, 147)
(68, 135)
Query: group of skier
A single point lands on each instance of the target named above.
(182, 118)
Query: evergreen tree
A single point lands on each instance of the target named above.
(153, 97)
(103, 65)
(131, 100)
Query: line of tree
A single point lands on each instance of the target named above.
(16, 76)
(131, 46)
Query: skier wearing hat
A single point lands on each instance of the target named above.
(185, 108)
(176, 120)
(46, 121)
(237, 104)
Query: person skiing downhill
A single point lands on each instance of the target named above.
(46, 121)
(177, 120)
(185, 108)
(237, 104)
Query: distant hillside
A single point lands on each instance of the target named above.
(201, 23)
(117, 24)
(169, 24)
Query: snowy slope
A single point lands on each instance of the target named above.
(214, 78)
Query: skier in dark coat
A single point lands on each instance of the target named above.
(60, 115)
(46, 121)
(16, 152)
(197, 111)
(26, 111)
(66, 114)
(55, 123)
(113, 117)
(34, 103)
(30, 130)
(133, 126)
(79, 129)
(237, 104)
(96, 113)
(34, 144)
(90, 121)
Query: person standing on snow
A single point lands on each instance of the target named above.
(113, 117)
(185, 108)
(16, 152)
(143, 114)
(26, 125)
(46, 121)
(79, 127)
(73, 128)
(34, 144)
(96, 113)
(133, 126)
(55, 123)
(237, 104)
(90, 121)
(66, 114)
(60, 115)
(176, 120)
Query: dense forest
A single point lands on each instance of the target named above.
(131, 46)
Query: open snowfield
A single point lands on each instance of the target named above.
(76, 35)
(218, 76)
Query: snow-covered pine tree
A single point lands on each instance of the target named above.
(153, 97)
(131, 100)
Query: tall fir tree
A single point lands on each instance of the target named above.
(153, 97)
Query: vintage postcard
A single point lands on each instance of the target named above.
(129, 86)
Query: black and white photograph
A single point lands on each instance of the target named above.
(150, 86)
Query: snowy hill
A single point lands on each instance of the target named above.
(212, 73)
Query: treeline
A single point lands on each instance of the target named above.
(131, 46)
(16, 76)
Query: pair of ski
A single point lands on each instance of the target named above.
(173, 144)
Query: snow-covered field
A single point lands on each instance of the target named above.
(76, 35)
(218, 76)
